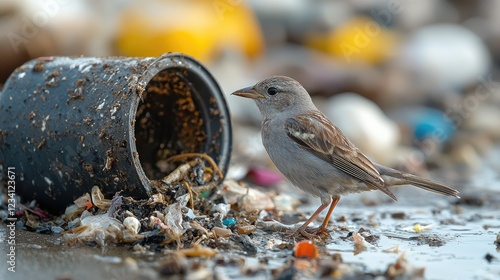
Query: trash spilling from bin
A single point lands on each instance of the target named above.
(111, 122)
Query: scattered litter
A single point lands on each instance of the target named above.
(72, 212)
(248, 199)
(229, 222)
(306, 249)
(489, 258)
(132, 225)
(285, 202)
(100, 229)
(98, 199)
(83, 201)
(398, 215)
(222, 208)
(56, 229)
(274, 244)
(432, 240)
(264, 177)
(417, 228)
(394, 249)
(244, 243)
(221, 232)
(402, 269)
(173, 223)
(198, 251)
(246, 229)
(360, 244)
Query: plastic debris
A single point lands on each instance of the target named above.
(198, 251)
(417, 228)
(190, 214)
(394, 249)
(306, 249)
(100, 229)
(274, 244)
(246, 229)
(264, 177)
(71, 212)
(132, 224)
(243, 243)
(248, 199)
(98, 199)
(115, 205)
(222, 208)
(360, 244)
(56, 229)
(229, 222)
(83, 201)
(402, 269)
(221, 232)
(173, 222)
(285, 202)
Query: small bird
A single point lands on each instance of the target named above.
(314, 155)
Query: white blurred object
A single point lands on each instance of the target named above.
(64, 27)
(286, 203)
(246, 198)
(233, 71)
(132, 224)
(447, 56)
(485, 120)
(366, 125)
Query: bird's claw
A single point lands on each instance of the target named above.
(313, 233)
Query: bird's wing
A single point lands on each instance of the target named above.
(317, 134)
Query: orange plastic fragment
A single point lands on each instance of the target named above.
(88, 205)
(306, 249)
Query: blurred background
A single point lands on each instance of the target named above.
(412, 83)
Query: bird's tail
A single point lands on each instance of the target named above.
(394, 177)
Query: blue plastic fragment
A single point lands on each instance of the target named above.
(228, 222)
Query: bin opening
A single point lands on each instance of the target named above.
(168, 122)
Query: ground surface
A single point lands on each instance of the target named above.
(456, 246)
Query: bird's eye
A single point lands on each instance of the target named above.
(272, 91)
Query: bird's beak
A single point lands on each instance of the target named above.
(248, 92)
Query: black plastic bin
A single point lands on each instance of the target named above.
(69, 123)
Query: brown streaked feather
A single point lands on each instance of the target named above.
(318, 135)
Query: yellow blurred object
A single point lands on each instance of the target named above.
(419, 228)
(199, 28)
(357, 40)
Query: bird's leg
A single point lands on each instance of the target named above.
(302, 229)
(322, 228)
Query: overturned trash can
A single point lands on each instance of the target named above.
(70, 123)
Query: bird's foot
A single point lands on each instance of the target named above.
(310, 233)
(319, 231)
